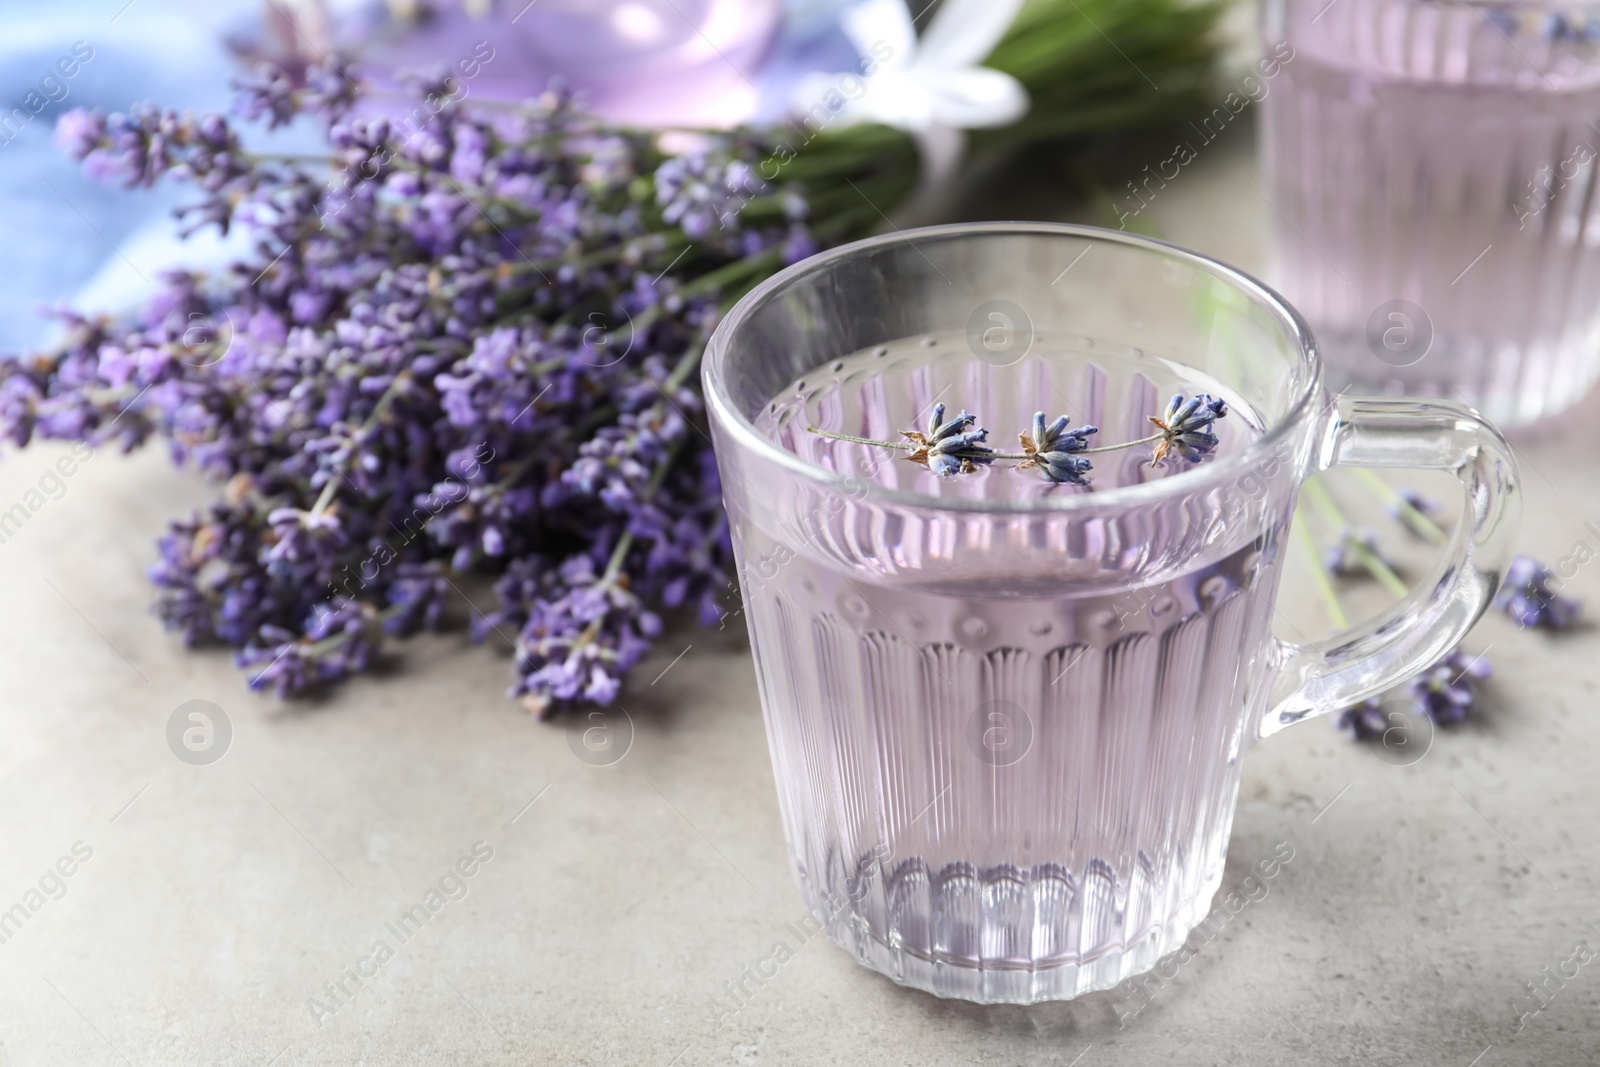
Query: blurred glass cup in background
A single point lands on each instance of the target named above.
(1431, 166)
(642, 62)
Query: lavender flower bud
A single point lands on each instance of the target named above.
(1448, 690)
(1527, 596)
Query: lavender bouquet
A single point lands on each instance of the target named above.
(467, 344)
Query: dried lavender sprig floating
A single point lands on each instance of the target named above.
(956, 447)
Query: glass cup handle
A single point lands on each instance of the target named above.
(1365, 660)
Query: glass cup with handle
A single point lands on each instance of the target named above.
(1006, 716)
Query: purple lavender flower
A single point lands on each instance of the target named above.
(340, 640)
(1051, 448)
(141, 145)
(1186, 427)
(279, 94)
(394, 389)
(1349, 556)
(417, 598)
(797, 244)
(1527, 596)
(1447, 690)
(213, 585)
(687, 560)
(949, 448)
(79, 132)
(576, 644)
(703, 189)
(279, 663)
(331, 89)
(615, 465)
(267, 92)
(304, 536)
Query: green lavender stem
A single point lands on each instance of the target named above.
(331, 486)
(374, 621)
(1417, 520)
(1152, 439)
(619, 554)
(1370, 560)
(906, 446)
(1380, 570)
(1330, 596)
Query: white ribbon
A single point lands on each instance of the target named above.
(933, 88)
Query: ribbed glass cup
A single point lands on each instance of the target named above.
(1432, 166)
(1006, 724)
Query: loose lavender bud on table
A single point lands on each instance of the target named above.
(1527, 597)
(1448, 690)
(1349, 556)
(1365, 721)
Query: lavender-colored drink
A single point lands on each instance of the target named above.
(1006, 712)
(988, 771)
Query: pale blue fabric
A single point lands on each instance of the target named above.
(57, 227)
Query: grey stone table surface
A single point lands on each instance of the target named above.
(209, 909)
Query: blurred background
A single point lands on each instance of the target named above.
(1433, 886)
(661, 63)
